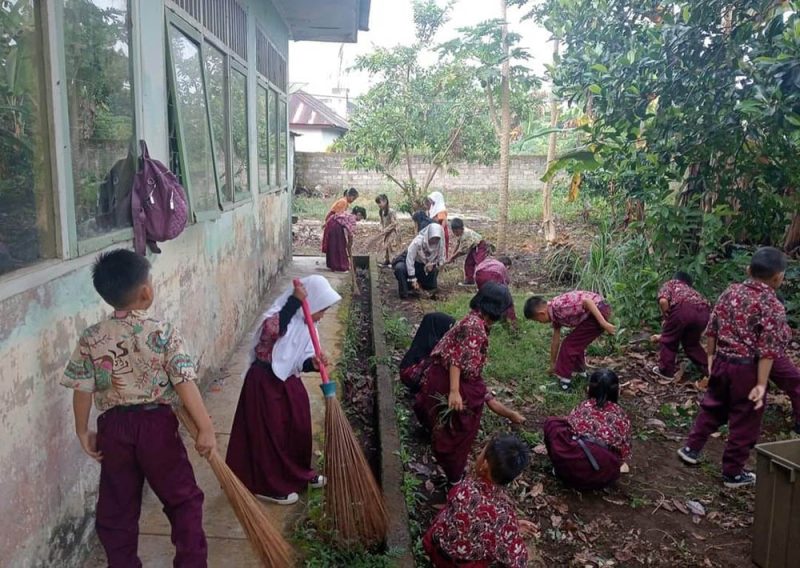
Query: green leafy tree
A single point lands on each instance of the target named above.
(494, 64)
(436, 112)
(695, 114)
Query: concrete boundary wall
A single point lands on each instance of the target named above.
(328, 171)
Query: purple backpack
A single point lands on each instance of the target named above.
(158, 204)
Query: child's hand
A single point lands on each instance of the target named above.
(430, 267)
(88, 442)
(206, 442)
(610, 328)
(454, 401)
(527, 528)
(757, 396)
(516, 417)
(317, 360)
(300, 292)
(415, 285)
(655, 338)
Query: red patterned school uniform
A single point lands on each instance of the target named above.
(683, 324)
(492, 270)
(339, 229)
(131, 363)
(478, 528)
(749, 323)
(465, 346)
(588, 447)
(567, 310)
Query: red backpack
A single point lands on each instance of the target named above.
(158, 204)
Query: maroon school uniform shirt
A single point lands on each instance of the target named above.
(479, 523)
(749, 322)
(609, 424)
(567, 309)
(676, 292)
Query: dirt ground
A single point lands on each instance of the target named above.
(660, 514)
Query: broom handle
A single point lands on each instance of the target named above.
(312, 331)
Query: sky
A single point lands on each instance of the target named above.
(314, 66)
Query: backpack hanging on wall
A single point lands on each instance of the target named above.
(158, 204)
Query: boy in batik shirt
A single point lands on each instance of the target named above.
(587, 313)
(134, 368)
(478, 526)
(746, 334)
(686, 314)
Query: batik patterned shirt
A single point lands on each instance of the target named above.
(479, 523)
(270, 333)
(492, 270)
(465, 346)
(467, 241)
(567, 309)
(676, 292)
(609, 425)
(749, 322)
(347, 221)
(129, 359)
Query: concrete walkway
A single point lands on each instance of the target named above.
(227, 545)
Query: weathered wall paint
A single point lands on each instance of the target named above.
(209, 282)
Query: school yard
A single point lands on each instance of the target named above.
(660, 514)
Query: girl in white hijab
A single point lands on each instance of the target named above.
(424, 257)
(437, 211)
(270, 441)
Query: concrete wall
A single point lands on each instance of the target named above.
(314, 139)
(327, 170)
(209, 282)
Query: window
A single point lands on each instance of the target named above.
(101, 122)
(215, 80)
(283, 163)
(239, 145)
(27, 226)
(193, 133)
(272, 124)
(263, 140)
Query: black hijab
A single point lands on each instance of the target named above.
(431, 330)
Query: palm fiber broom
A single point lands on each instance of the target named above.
(272, 550)
(353, 501)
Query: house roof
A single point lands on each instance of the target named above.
(325, 20)
(307, 110)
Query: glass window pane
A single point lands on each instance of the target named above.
(190, 97)
(272, 121)
(101, 128)
(215, 81)
(241, 162)
(263, 153)
(282, 144)
(26, 214)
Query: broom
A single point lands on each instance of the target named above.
(267, 542)
(353, 500)
(356, 289)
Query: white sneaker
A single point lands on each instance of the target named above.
(289, 499)
(319, 482)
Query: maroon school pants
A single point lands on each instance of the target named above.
(684, 325)
(786, 377)
(572, 354)
(137, 445)
(570, 462)
(475, 256)
(726, 401)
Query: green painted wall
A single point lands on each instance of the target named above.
(209, 282)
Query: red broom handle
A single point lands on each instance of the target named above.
(312, 331)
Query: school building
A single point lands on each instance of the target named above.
(204, 83)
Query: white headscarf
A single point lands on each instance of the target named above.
(421, 249)
(294, 347)
(437, 206)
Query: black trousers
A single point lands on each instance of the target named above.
(426, 281)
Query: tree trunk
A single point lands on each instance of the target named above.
(548, 224)
(792, 241)
(505, 131)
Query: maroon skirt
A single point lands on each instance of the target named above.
(270, 443)
(571, 463)
(336, 250)
(453, 435)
